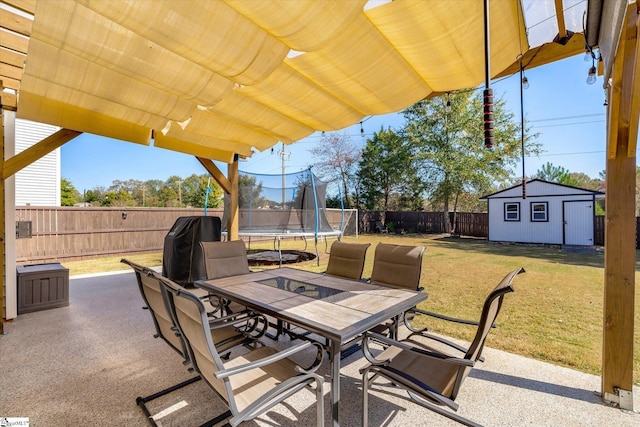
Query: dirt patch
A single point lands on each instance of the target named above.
(273, 257)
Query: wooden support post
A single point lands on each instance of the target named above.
(233, 206)
(619, 280)
(620, 251)
(2, 240)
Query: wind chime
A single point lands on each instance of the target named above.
(488, 97)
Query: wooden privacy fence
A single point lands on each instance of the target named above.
(466, 223)
(599, 231)
(71, 233)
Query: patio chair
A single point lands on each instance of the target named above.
(166, 328)
(250, 383)
(419, 364)
(224, 259)
(229, 331)
(347, 259)
(152, 297)
(397, 266)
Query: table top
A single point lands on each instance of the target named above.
(334, 307)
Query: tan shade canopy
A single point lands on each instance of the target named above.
(218, 78)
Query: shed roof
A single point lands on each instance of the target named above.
(533, 183)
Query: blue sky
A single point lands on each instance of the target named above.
(568, 114)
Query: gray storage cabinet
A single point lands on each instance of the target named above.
(42, 286)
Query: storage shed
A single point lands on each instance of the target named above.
(551, 213)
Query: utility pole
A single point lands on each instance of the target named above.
(283, 154)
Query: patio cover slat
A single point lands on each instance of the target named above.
(211, 78)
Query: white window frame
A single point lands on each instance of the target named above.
(545, 213)
(509, 216)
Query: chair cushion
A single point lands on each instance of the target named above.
(438, 375)
(224, 259)
(397, 265)
(347, 259)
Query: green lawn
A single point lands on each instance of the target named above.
(555, 314)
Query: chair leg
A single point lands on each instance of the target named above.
(365, 398)
(217, 419)
(319, 403)
(445, 413)
(142, 401)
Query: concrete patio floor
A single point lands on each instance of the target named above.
(85, 365)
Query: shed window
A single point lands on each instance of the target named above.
(540, 212)
(512, 211)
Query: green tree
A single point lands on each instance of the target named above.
(447, 134)
(168, 197)
(118, 198)
(250, 193)
(339, 159)
(583, 180)
(172, 192)
(95, 196)
(557, 174)
(151, 192)
(333, 201)
(387, 175)
(126, 193)
(194, 191)
(69, 196)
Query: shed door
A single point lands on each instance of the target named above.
(578, 223)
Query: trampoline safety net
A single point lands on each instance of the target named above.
(293, 203)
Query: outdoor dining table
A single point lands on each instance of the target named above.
(334, 308)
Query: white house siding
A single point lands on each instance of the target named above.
(526, 231)
(39, 183)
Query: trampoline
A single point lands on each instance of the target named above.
(284, 206)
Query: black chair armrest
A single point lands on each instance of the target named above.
(408, 346)
(447, 318)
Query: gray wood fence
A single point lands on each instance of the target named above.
(73, 233)
(474, 224)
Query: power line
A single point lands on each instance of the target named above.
(568, 124)
(581, 116)
(567, 154)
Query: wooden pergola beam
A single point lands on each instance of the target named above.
(35, 152)
(230, 186)
(619, 262)
(216, 174)
(562, 28)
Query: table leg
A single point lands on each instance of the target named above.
(279, 330)
(393, 331)
(335, 381)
